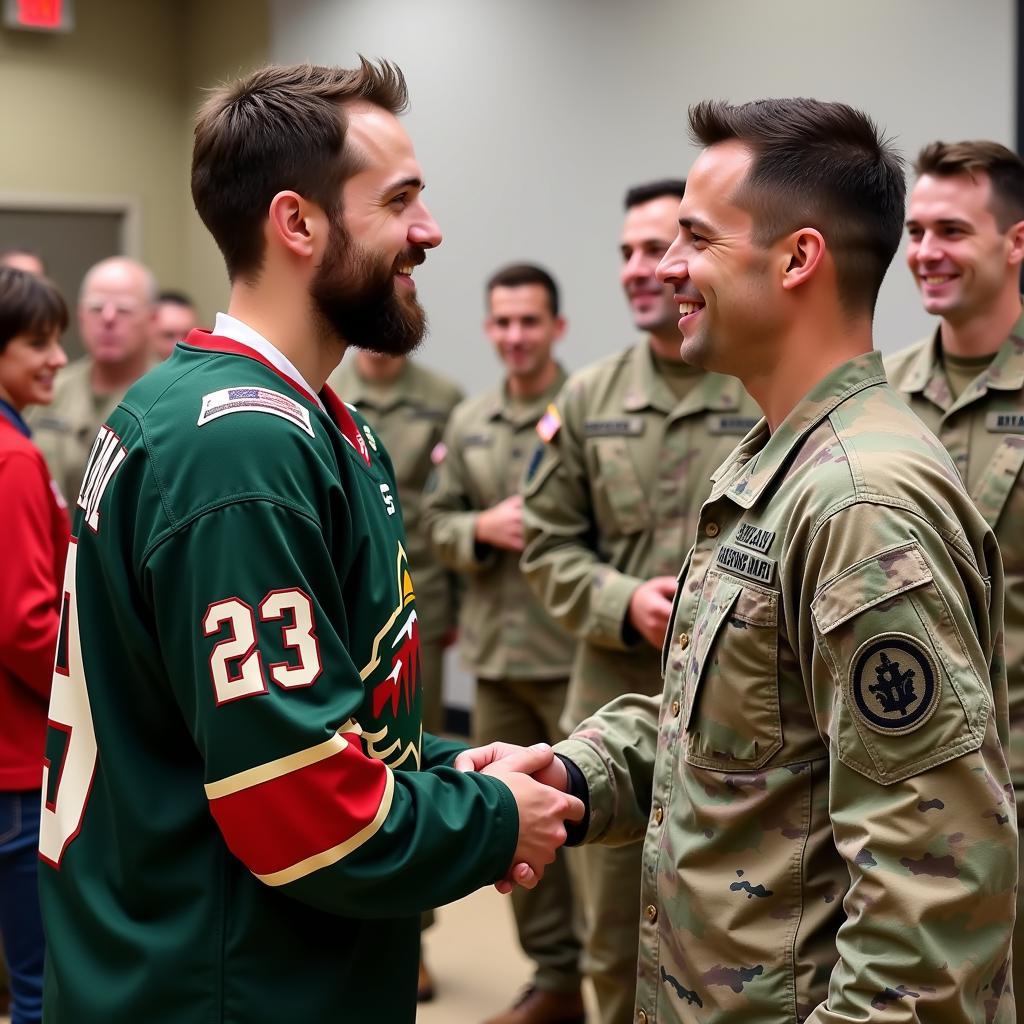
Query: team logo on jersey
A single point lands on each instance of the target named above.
(894, 683)
(371, 440)
(395, 697)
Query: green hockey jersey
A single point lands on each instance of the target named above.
(242, 819)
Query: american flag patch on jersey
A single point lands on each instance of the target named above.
(229, 400)
(549, 424)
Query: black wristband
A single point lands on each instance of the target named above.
(576, 831)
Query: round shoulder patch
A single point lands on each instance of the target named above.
(894, 683)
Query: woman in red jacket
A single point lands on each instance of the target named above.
(33, 546)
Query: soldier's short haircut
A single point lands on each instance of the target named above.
(640, 194)
(1004, 168)
(29, 303)
(821, 165)
(281, 127)
(515, 275)
(176, 298)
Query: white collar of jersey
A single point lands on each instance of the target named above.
(231, 327)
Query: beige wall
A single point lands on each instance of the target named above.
(102, 112)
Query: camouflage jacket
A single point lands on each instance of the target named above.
(410, 414)
(983, 430)
(504, 633)
(614, 500)
(65, 429)
(829, 820)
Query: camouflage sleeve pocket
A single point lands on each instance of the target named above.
(903, 694)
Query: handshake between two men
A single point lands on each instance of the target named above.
(539, 782)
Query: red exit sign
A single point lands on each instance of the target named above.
(38, 15)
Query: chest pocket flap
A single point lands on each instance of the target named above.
(620, 485)
(910, 695)
(731, 688)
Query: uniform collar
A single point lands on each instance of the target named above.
(926, 375)
(772, 450)
(11, 415)
(524, 413)
(714, 392)
(383, 397)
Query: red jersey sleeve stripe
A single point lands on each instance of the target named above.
(286, 824)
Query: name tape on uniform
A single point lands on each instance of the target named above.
(630, 426)
(754, 537)
(730, 423)
(1005, 422)
(230, 400)
(744, 563)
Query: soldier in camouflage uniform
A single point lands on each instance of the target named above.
(966, 381)
(408, 406)
(116, 313)
(636, 438)
(519, 655)
(830, 830)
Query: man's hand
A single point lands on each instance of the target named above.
(500, 758)
(507, 760)
(501, 526)
(543, 812)
(650, 607)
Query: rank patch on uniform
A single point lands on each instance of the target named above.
(549, 424)
(730, 423)
(632, 426)
(744, 563)
(223, 403)
(1005, 422)
(894, 683)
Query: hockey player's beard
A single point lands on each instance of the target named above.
(357, 299)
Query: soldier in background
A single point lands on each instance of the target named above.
(409, 406)
(966, 381)
(519, 655)
(115, 318)
(823, 786)
(609, 516)
(175, 317)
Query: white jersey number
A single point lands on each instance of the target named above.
(61, 818)
(241, 647)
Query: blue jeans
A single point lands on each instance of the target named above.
(20, 921)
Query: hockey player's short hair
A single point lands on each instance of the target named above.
(280, 128)
(29, 303)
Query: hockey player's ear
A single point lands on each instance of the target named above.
(298, 225)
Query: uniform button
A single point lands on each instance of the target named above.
(711, 529)
(659, 815)
(684, 641)
(675, 709)
(641, 1017)
(651, 912)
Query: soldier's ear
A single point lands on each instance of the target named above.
(803, 254)
(1015, 236)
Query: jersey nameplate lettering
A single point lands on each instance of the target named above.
(755, 537)
(223, 403)
(1005, 422)
(631, 426)
(106, 456)
(742, 563)
(729, 423)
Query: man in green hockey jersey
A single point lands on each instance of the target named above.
(242, 818)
